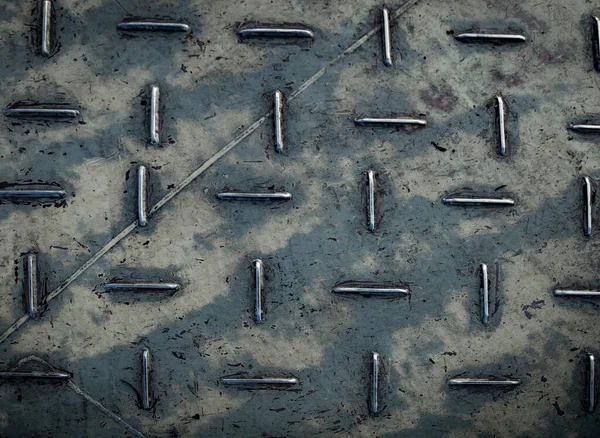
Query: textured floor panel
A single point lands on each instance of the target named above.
(213, 88)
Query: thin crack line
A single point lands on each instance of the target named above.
(119, 3)
(104, 410)
(196, 173)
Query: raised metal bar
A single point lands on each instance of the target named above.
(278, 120)
(273, 31)
(576, 293)
(371, 200)
(46, 27)
(587, 205)
(390, 121)
(596, 41)
(585, 128)
(141, 286)
(375, 383)
(41, 113)
(153, 26)
(258, 289)
(254, 196)
(142, 203)
(154, 115)
(373, 289)
(31, 194)
(485, 295)
(32, 286)
(467, 381)
(472, 37)
(472, 201)
(591, 383)
(287, 381)
(387, 41)
(50, 375)
(501, 113)
(146, 368)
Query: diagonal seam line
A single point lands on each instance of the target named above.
(104, 410)
(401, 10)
(87, 397)
(208, 163)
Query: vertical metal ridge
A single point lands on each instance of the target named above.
(485, 295)
(375, 383)
(154, 115)
(387, 43)
(596, 42)
(501, 113)
(32, 286)
(371, 200)
(258, 289)
(278, 120)
(142, 203)
(591, 382)
(146, 369)
(587, 205)
(46, 28)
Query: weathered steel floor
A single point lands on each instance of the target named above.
(213, 88)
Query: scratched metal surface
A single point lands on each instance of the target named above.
(213, 88)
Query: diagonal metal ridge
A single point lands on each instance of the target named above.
(205, 166)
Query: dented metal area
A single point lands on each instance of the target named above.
(299, 218)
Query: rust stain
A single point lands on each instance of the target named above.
(441, 97)
(562, 53)
(510, 79)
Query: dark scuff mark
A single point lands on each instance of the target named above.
(559, 411)
(439, 148)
